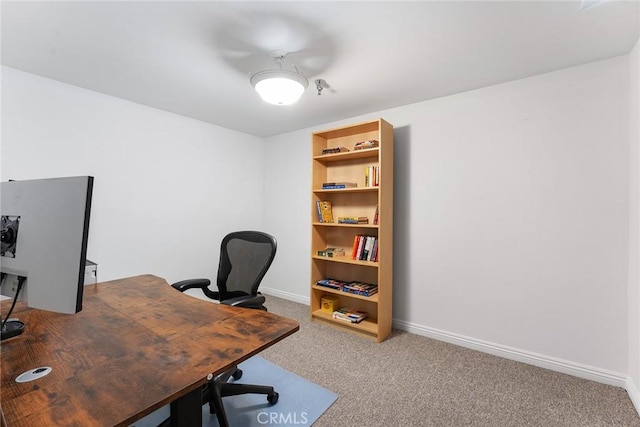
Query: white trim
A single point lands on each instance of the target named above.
(634, 394)
(552, 363)
(286, 295)
(540, 360)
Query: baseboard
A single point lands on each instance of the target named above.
(540, 360)
(286, 295)
(547, 362)
(634, 394)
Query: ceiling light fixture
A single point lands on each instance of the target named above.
(279, 87)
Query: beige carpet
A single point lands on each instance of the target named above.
(410, 380)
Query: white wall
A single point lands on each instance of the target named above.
(512, 204)
(167, 188)
(634, 228)
(511, 217)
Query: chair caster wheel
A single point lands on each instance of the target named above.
(273, 398)
(237, 374)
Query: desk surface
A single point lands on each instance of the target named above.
(137, 345)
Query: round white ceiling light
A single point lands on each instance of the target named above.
(279, 87)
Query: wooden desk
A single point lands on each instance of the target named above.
(137, 345)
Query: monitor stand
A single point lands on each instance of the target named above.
(12, 328)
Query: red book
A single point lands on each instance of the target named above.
(361, 240)
(355, 247)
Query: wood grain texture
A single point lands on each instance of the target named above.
(137, 345)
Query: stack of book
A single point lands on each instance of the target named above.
(360, 288)
(332, 284)
(334, 150)
(353, 220)
(372, 143)
(365, 248)
(351, 315)
(331, 252)
(372, 176)
(338, 185)
(356, 288)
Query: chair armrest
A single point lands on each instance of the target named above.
(183, 285)
(248, 301)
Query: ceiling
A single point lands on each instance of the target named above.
(195, 58)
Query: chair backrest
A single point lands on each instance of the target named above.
(245, 257)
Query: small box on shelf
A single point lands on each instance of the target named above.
(329, 303)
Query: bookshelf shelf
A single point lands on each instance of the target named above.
(337, 224)
(346, 259)
(372, 298)
(346, 190)
(370, 326)
(338, 157)
(362, 200)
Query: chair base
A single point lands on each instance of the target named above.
(218, 388)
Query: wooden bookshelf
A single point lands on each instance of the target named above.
(356, 201)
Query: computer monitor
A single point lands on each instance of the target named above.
(43, 250)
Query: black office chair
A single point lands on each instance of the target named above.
(245, 257)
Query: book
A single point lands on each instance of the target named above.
(350, 315)
(372, 143)
(335, 185)
(331, 252)
(374, 256)
(354, 250)
(331, 283)
(360, 288)
(353, 220)
(368, 246)
(376, 216)
(364, 248)
(371, 176)
(334, 150)
(361, 240)
(346, 319)
(326, 212)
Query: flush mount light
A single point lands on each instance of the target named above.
(279, 87)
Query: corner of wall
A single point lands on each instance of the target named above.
(633, 295)
(634, 393)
